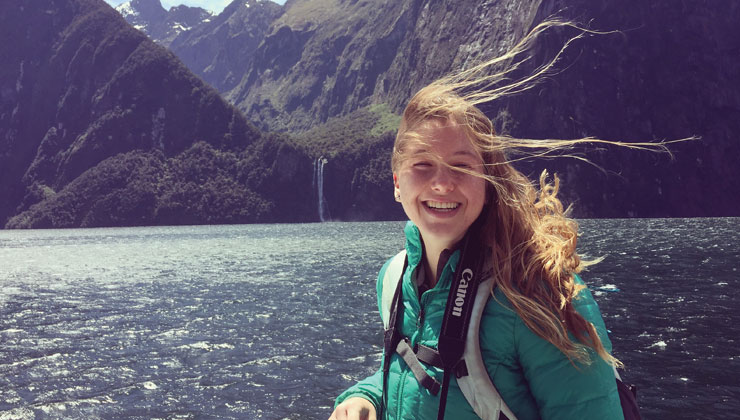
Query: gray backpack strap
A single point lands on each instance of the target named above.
(407, 354)
(477, 386)
(390, 280)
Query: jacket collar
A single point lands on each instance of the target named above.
(414, 246)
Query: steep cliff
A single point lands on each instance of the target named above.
(327, 58)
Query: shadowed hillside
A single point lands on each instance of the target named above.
(99, 126)
(671, 72)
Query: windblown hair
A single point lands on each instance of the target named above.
(531, 238)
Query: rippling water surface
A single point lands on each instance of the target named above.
(273, 321)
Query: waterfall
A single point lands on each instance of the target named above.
(318, 183)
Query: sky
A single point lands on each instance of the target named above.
(216, 6)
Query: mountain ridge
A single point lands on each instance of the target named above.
(94, 101)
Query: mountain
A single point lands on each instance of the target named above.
(159, 24)
(221, 49)
(99, 126)
(669, 72)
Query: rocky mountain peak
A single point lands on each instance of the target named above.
(150, 8)
(141, 14)
(220, 50)
(161, 25)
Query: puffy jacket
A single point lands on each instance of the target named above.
(533, 377)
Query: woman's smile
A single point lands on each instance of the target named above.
(441, 206)
(441, 209)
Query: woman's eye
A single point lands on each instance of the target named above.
(463, 166)
(422, 164)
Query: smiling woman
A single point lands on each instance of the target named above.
(542, 329)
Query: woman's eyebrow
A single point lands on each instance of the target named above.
(466, 153)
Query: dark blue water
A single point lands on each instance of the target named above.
(675, 321)
(273, 321)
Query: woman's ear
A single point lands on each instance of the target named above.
(396, 188)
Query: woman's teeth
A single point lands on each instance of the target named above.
(438, 205)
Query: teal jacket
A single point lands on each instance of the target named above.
(533, 377)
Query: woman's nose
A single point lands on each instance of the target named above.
(443, 180)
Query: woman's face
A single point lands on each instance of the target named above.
(441, 202)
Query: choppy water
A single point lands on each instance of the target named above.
(273, 321)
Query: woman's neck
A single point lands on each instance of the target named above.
(432, 255)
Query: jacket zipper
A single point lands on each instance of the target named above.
(399, 394)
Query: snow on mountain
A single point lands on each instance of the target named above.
(126, 10)
(159, 24)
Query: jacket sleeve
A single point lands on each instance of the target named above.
(562, 389)
(370, 388)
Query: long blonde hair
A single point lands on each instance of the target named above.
(532, 241)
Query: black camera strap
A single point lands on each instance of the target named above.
(451, 344)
